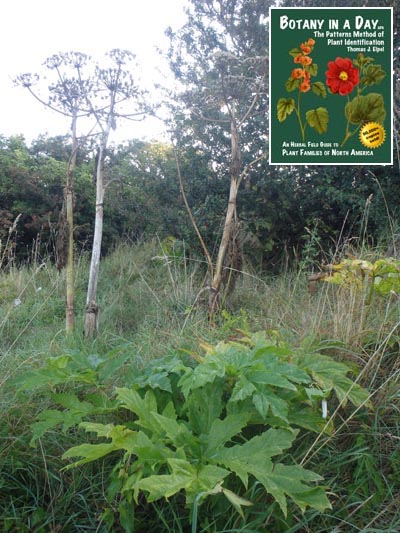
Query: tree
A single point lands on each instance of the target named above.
(276, 204)
(220, 57)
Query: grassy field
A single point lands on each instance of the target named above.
(150, 308)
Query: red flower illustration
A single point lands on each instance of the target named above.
(342, 76)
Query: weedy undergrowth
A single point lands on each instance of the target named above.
(202, 425)
(381, 277)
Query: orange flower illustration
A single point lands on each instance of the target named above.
(305, 60)
(304, 86)
(298, 73)
(306, 49)
(300, 80)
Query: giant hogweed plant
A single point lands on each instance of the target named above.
(381, 277)
(199, 424)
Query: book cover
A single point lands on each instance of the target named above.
(331, 86)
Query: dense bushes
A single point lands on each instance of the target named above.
(278, 207)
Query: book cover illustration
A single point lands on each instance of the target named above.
(331, 87)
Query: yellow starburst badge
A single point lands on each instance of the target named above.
(372, 135)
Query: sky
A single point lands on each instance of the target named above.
(33, 30)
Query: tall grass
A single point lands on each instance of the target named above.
(151, 305)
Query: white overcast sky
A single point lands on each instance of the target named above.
(33, 30)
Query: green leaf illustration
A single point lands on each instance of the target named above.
(374, 74)
(292, 84)
(312, 69)
(362, 61)
(294, 52)
(319, 89)
(369, 108)
(318, 119)
(285, 107)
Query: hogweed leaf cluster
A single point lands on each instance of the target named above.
(204, 426)
(380, 277)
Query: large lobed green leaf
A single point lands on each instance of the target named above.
(291, 480)
(256, 452)
(332, 375)
(184, 476)
(286, 106)
(204, 405)
(318, 119)
(368, 108)
(373, 75)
